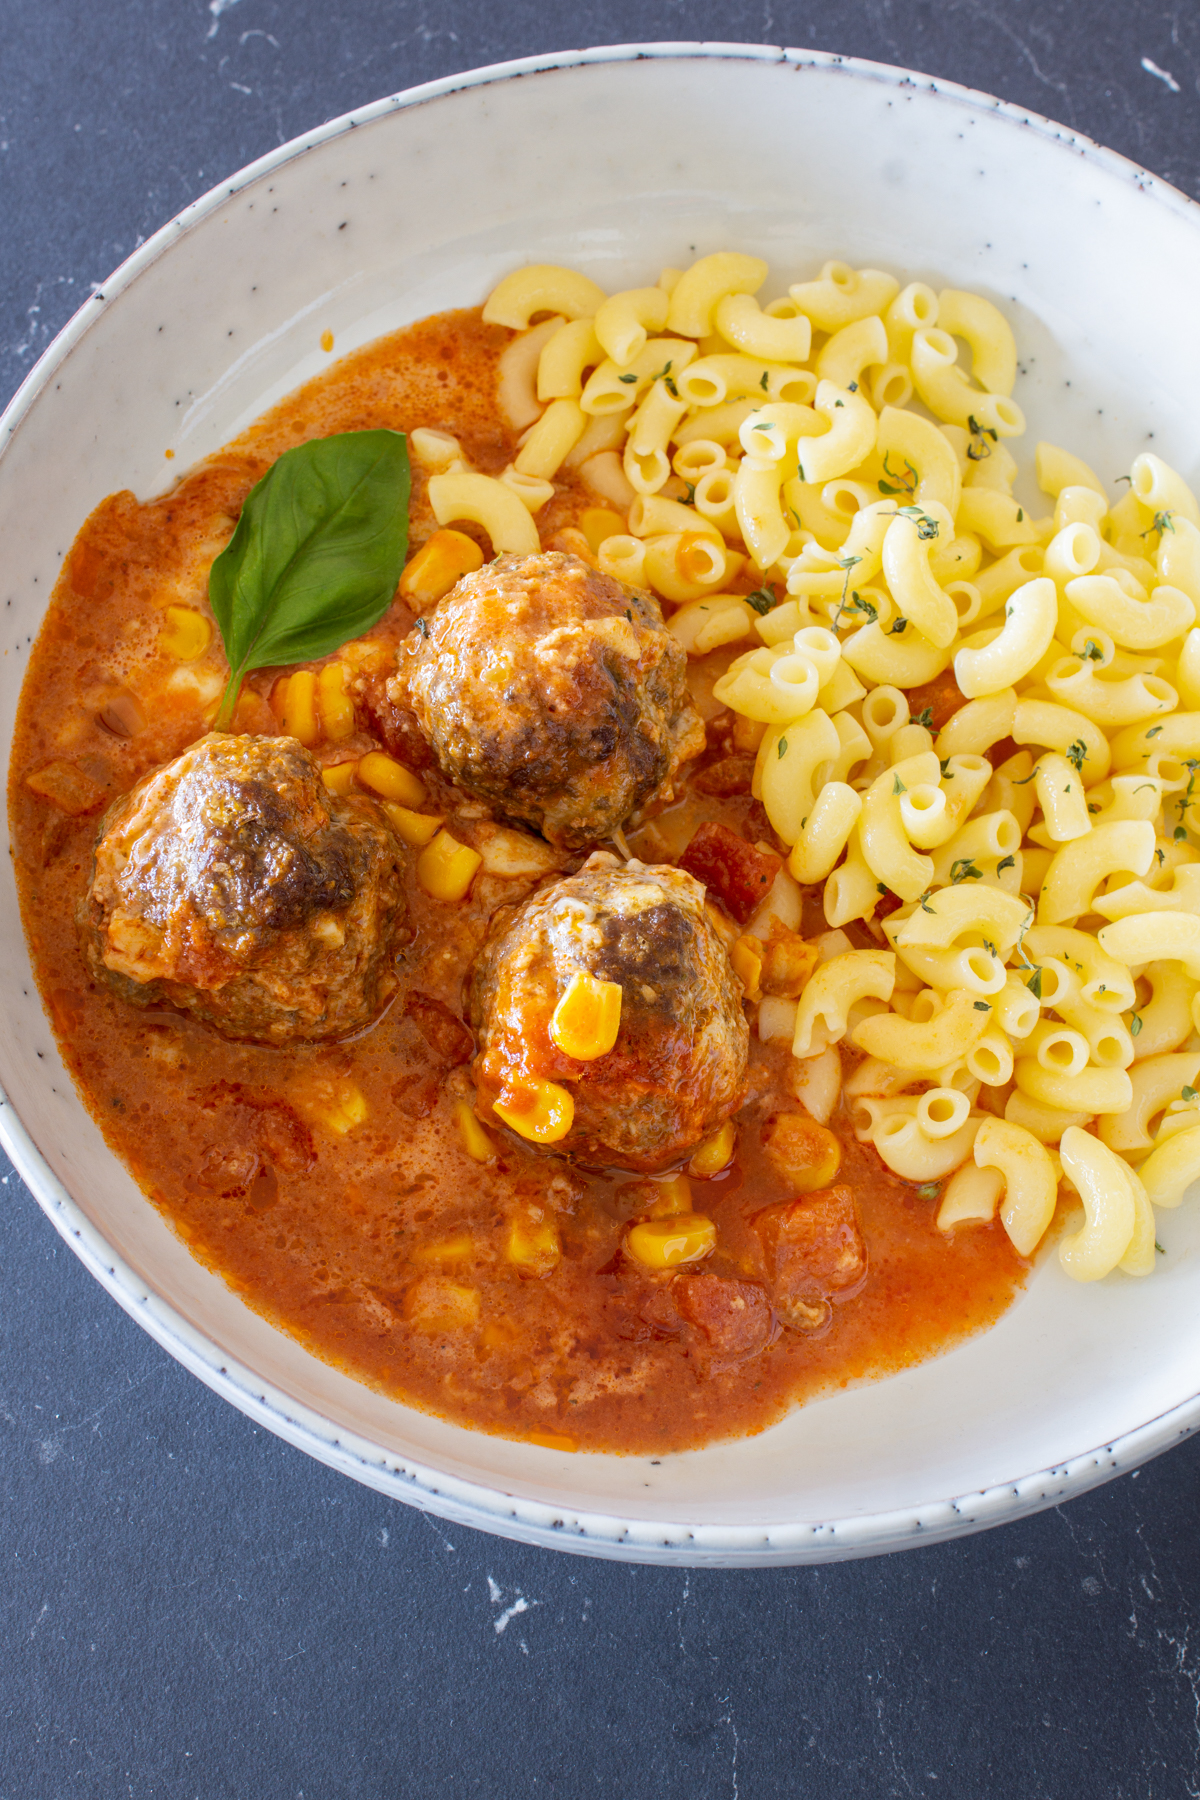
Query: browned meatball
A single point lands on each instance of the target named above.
(233, 885)
(677, 1070)
(552, 691)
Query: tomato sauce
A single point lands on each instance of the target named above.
(344, 1225)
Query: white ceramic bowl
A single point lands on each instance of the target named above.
(618, 161)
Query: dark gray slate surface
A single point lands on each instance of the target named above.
(191, 1608)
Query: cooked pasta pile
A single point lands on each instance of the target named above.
(1025, 864)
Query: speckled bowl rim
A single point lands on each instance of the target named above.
(419, 1485)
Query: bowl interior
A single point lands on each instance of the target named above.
(619, 166)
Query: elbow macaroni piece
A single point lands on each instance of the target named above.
(486, 502)
(1030, 617)
(699, 289)
(1114, 1221)
(947, 1037)
(834, 987)
(1030, 1182)
(742, 323)
(541, 288)
(851, 434)
(898, 1130)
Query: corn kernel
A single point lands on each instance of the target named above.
(389, 779)
(475, 1140)
(339, 778)
(587, 1018)
(542, 1112)
(186, 634)
(746, 957)
(337, 709)
(536, 1249)
(412, 828)
(671, 1198)
(715, 1153)
(457, 1249)
(435, 1305)
(662, 1243)
(512, 854)
(338, 1105)
(440, 562)
(806, 1154)
(748, 734)
(300, 707)
(499, 1334)
(446, 868)
(598, 523)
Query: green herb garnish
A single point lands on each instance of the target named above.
(905, 483)
(762, 600)
(316, 555)
(927, 527)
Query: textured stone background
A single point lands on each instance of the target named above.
(191, 1608)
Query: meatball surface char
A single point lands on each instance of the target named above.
(231, 884)
(677, 1070)
(554, 692)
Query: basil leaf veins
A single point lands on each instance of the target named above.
(316, 556)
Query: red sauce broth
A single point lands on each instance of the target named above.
(329, 1235)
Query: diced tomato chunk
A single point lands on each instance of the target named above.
(728, 775)
(733, 871)
(814, 1254)
(67, 787)
(446, 1036)
(940, 699)
(735, 1316)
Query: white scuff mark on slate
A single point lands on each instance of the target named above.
(495, 1594)
(447, 1546)
(383, 1537)
(500, 1625)
(216, 8)
(728, 1720)
(241, 87)
(40, 1617)
(1162, 75)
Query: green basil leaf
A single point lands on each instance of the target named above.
(316, 556)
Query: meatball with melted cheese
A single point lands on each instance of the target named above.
(231, 884)
(677, 1068)
(552, 691)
